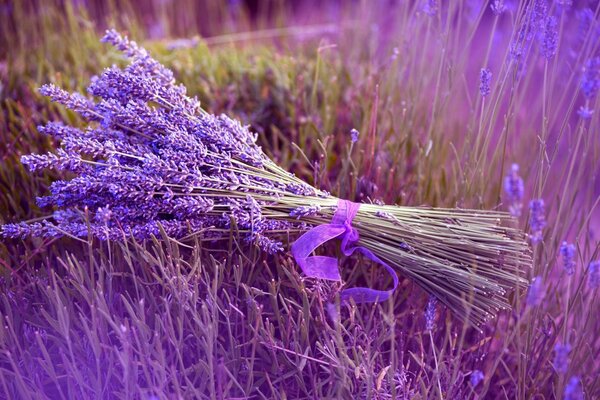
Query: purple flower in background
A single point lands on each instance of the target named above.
(573, 390)
(430, 313)
(594, 278)
(567, 252)
(498, 7)
(537, 219)
(590, 81)
(587, 24)
(429, 7)
(561, 357)
(539, 12)
(476, 377)
(536, 292)
(564, 4)
(354, 135)
(514, 189)
(485, 77)
(585, 113)
(549, 38)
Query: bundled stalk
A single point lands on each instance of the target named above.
(151, 158)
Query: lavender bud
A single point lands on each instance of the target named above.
(537, 219)
(305, 211)
(567, 252)
(573, 390)
(585, 113)
(549, 38)
(485, 77)
(430, 313)
(590, 81)
(354, 135)
(498, 7)
(103, 215)
(74, 101)
(594, 278)
(536, 292)
(476, 377)
(429, 7)
(561, 357)
(62, 160)
(514, 189)
(564, 4)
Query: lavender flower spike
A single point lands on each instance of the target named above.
(561, 357)
(476, 377)
(537, 219)
(536, 293)
(429, 7)
(514, 189)
(549, 40)
(498, 7)
(354, 135)
(590, 81)
(594, 277)
(430, 313)
(485, 77)
(573, 389)
(567, 252)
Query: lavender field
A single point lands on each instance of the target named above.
(161, 161)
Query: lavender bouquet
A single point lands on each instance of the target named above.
(152, 159)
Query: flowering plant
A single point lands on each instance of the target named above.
(152, 159)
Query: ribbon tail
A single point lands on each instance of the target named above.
(317, 266)
(364, 294)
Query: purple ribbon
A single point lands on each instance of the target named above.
(327, 267)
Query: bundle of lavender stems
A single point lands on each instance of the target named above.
(151, 159)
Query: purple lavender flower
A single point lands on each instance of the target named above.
(536, 292)
(476, 378)
(549, 38)
(514, 189)
(561, 357)
(564, 4)
(594, 278)
(573, 390)
(498, 7)
(590, 81)
(430, 313)
(539, 12)
(532, 24)
(587, 24)
(429, 7)
(305, 211)
(567, 252)
(103, 215)
(131, 49)
(62, 160)
(585, 113)
(73, 101)
(485, 77)
(354, 135)
(537, 219)
(155, 161)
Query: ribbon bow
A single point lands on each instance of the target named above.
(323, 267)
